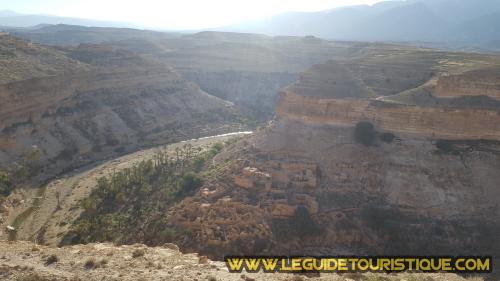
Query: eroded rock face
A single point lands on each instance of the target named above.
(120, 103)
(483, 82)
(418, 121)
(400, 197)
(329, 95)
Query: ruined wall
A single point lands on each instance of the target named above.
(433, 122)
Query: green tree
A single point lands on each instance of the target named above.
(190, 182)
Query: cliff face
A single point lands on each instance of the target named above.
(120, 103)
(418, 121)
(329, 94)
(484, 82)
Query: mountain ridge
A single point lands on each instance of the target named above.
(400, 21)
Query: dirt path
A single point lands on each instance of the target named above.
(45, 215)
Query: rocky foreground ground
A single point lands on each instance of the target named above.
(28, 261)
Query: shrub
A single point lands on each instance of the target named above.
(198, 162)
(51, 259)
(90, 264)
(216, 148)
(138, 253)
(190, 182)
(365, 133)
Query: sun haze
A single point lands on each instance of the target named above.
(186, 14)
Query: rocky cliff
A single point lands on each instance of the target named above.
(118, 103)
(417, 121)
(319, 99)
(481, 82)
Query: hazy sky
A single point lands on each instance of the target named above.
(172, 14)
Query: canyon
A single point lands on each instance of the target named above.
(431, 188)
(303, 183)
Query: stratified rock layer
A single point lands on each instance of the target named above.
(116, 103)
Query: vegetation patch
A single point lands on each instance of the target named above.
(51, 259)
(130, 206)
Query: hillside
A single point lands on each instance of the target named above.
(421, 181)
(21, 60)
(76, 106)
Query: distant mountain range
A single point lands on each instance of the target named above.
(14, 19)
(458, 23)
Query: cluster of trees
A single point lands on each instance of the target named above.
(130, 205)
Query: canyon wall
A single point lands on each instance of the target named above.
(254, 93)
(429, 122)
(81, 117)
(484, 82)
